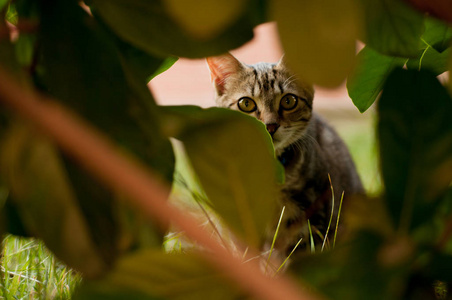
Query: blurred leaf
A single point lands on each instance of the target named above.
(415, 136)
(366, 82)
(146, 24)
(158, 274)
(110, 96)
(167, 63)
(25, 46)
(437, 34)
(352, 271)
(3, 3)
(11, 14)
(318, 37)
(430, 59)
(439, 267)
(97, 87)
(393, 27)
(46, 203)
(233, 156)
(205, 19)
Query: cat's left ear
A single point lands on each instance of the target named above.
(221, 68)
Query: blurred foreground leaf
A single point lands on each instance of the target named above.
(366, 82)
(204, 19)
(415, 136)
(147, 25)
(353, 271)
(392, 27)
(318, 37)
(46, 203)
(438, 34)
(159, 275)
(237, 168)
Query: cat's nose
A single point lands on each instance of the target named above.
(271, 128)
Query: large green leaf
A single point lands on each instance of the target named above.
(147, 25)
(159, 275)
(82, 67)
(437, 34)
(319, 37)
(366, 82)
(234, 159)
(392, 27)
(46, 203)
(430, 59)
(415, 136)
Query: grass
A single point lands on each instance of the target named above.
(29, 271)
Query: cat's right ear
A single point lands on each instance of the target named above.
(221, 68)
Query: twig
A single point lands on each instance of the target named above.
(99, 156)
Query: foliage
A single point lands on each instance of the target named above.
(96, 59)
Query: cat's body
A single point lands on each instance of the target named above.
(305, 144)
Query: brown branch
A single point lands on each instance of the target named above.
(146, 193)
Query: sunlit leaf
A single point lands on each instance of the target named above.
(205, 19)
(415, 136)
(393, 27)
(366, 82)
(430, 59)
(146, 25)
(45, 200)
(318, 37)
(437, 34)
(237, 168)
(160, 275)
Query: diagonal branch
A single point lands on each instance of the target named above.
(99, 156)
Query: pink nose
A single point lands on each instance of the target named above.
(271, 128)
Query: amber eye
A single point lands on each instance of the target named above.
(289, 102)
(247, 105)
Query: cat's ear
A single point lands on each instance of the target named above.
(281, 62)
(221, 68)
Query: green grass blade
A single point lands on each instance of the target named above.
(338, 216)
(287, 258)
(311, 238)
(274, 238)
(332, 212)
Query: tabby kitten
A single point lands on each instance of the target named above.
(305, 144)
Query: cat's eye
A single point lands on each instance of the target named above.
(289, 102)
(247, 105)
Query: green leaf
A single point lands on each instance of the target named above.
(319, 37)
(352, 271)
(366, 82)
(160, 275)
(147, 25)
(430, 59)
(166, 64)
(233, 156)
(204, 19)
(44, 198)
(437, 34)
(415, 136)
(113, 97)
(393, 27)
(97, 86)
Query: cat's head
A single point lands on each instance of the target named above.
(267, 91)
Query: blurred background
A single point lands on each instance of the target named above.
(188, 82)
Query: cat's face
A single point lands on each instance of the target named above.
(269, 92)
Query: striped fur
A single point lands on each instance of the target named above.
(306, 145)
